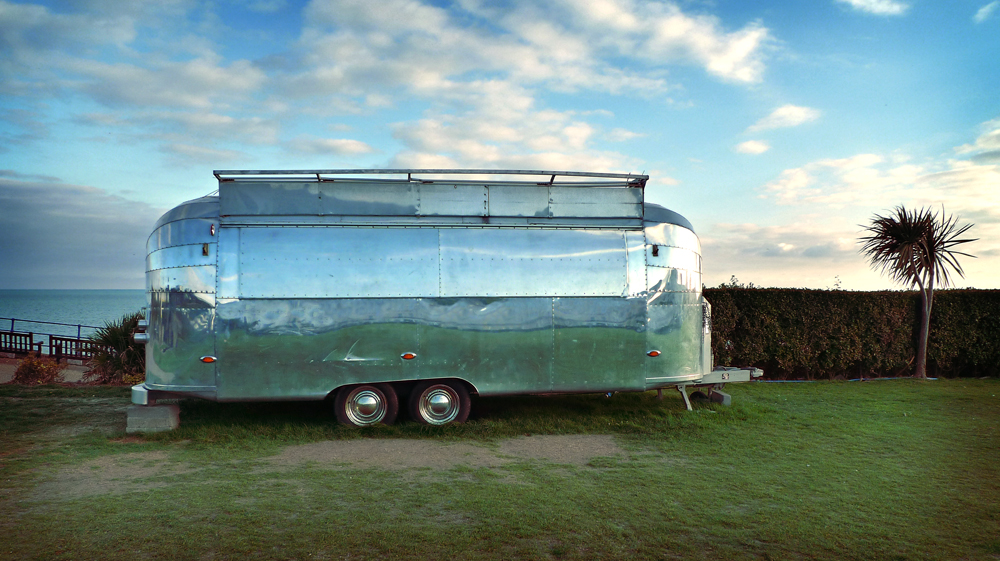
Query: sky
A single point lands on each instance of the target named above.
(779, 129)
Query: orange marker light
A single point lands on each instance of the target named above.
(207, 359)
(408, 356)
(653, 353)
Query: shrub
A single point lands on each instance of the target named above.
(119, 361)
(36, 371)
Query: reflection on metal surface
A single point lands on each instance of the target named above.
(513, 287)
(337, 262)
(181, 232)
(532, 263)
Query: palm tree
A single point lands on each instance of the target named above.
(916, 248)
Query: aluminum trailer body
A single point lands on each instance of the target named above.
(301, 285)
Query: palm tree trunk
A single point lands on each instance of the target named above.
(926, 301)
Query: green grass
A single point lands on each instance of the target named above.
(875, 470)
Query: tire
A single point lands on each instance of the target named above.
(367, 405)
(439, 402)
(698, 396)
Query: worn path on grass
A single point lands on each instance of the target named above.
(124, 473)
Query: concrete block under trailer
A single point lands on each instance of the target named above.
(364, 285)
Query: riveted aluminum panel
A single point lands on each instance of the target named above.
(305, 348)
(501, 345)
(181, 300)
(488, 262)
(636, 244)
(672, 235)
(275, 197)
(205, 207)
(338, 262)
(673, 257)
(178, 335)
(664, 279)
(599, 344)
(369, 199)
(596, 202)
(518, 200)
(181, 256)
(674, 330)
(228, 281)
(181, 232)
(182, 279)
(452, 200)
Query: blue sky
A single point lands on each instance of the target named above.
(776, 128)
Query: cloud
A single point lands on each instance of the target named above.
(753, 147)
(70, 236)
(350, 47)
(622, 135)
(853, 189)
(785, 116)
(985, 12)
(770, 255)
(187, 153)
(878, 7)
(199, 83)
(986, 149)
(334, 146)
(501, 129)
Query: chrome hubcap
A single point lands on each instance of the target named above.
(439, 405)
(365, 406)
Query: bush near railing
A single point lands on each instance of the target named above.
(806, 334)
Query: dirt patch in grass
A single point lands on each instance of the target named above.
(576, 449)
(123, 473)
(404, 454)
(111, 475)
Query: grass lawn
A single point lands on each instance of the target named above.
(851, 470)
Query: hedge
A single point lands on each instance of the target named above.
(807, 334)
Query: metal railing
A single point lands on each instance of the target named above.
(60, 345)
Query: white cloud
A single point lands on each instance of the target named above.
(786, 116)
(348, 48)
(753, 147)
(770, 255)
(623, 135)
(187, 153)
(334, 146)
(198, 83)
(986, 149)
(986, 11)
(878, 7)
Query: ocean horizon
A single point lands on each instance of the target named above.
(94, 307)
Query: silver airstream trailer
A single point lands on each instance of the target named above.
(367, 286)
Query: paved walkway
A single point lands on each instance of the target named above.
(72, 373)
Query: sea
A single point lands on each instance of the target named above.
(81, 311)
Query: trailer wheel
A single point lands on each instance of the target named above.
(440, 402)
(363, 406)
(698, 396)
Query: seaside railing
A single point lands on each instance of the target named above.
(59, 345)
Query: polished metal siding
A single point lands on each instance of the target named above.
(347, 198)
(595, 202)
(674, 305)
(518, 201)
(181, 281)
(295, 312)
(333, 262)
(539, 262)
(181, 232)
